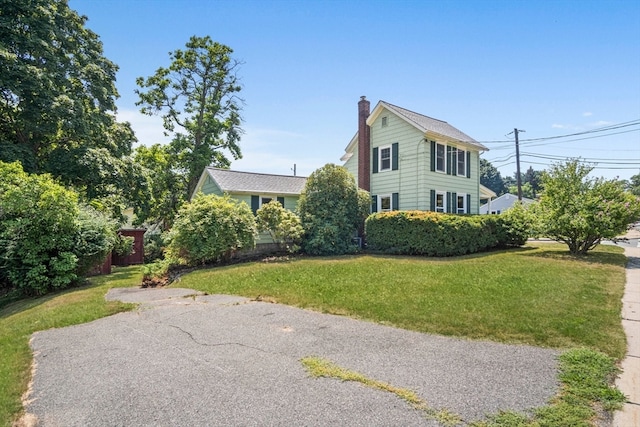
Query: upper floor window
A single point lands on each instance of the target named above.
(385, 121)
(461, 163)
(441, 164)
(385, 158)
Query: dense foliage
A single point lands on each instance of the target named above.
(330, 209)
(57, 103)
(197, 97)
(46, 240)
(282, 225)
(438, 234)
(580, 211)
(210, 229)
(490, 177)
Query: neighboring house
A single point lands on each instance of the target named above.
(408, 161)
(502, 203)
(254, 189)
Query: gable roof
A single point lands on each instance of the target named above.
(425, 123)
(257, 183)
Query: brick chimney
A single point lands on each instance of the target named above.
(364, 145)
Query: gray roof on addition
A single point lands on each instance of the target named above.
(429, 124)
(257, 183)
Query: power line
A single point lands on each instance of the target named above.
(596, 130)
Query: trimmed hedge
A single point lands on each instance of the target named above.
(438, 234)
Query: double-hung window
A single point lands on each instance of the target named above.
(441, 164)
(461, 163)
(461, 203)
(441, 201)
(385, 158)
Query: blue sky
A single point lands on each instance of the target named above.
(549, 67)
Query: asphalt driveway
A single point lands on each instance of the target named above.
(228, 361)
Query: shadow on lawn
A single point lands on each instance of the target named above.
(12, 304)
(598, 256)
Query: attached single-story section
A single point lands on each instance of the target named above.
(502, 203)
(254, 189)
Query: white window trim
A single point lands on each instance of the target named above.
(261, 196)
(384, 121)
(444, 201)
(464, 161)
(384, 147)
(385, 196)
(444, 157)
(464, 203)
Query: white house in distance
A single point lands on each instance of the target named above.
(502, 203)
(408, 161)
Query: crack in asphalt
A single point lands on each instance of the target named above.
(190, 335)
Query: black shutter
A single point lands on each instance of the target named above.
(395, 202)
(374, 203)
(394, 156)
(454, 161)
(454, 202)
(433, 157)
(433, 200)
(255, 203)
(468, 203)
(468, 164)
(448, 210)
(448, 160)
(281, 201)
(375, 160)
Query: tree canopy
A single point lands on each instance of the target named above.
(490, 177)
(197, 98)
(57, 100)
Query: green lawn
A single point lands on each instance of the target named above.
(537, 295)
(20, 319)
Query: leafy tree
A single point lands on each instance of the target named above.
(490, 177)
(57, 91)
(330, 211)
(580, 211)
(534, 179)
(527, 190)
(167, 186)
(46, 240)
(196, 96)
(211, 228)
(282, 225)
(633, 185)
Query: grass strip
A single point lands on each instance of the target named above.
(318, 367)
(20, 319)
(585, 393)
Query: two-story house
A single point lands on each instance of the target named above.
(408, 161)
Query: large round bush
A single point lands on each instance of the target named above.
(210, 229)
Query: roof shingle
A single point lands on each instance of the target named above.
(259, 183)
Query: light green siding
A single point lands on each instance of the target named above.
(414, 180)
(210, 187)
(352, 164)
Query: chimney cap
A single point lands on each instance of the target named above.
(362, 98)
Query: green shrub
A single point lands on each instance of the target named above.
(516, 225)
(37, 230)
(438, 234)
(154, 245)
(211, 229)
(96, 236)
(330, 211)
(282, 224)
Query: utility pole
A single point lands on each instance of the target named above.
(518, 178)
